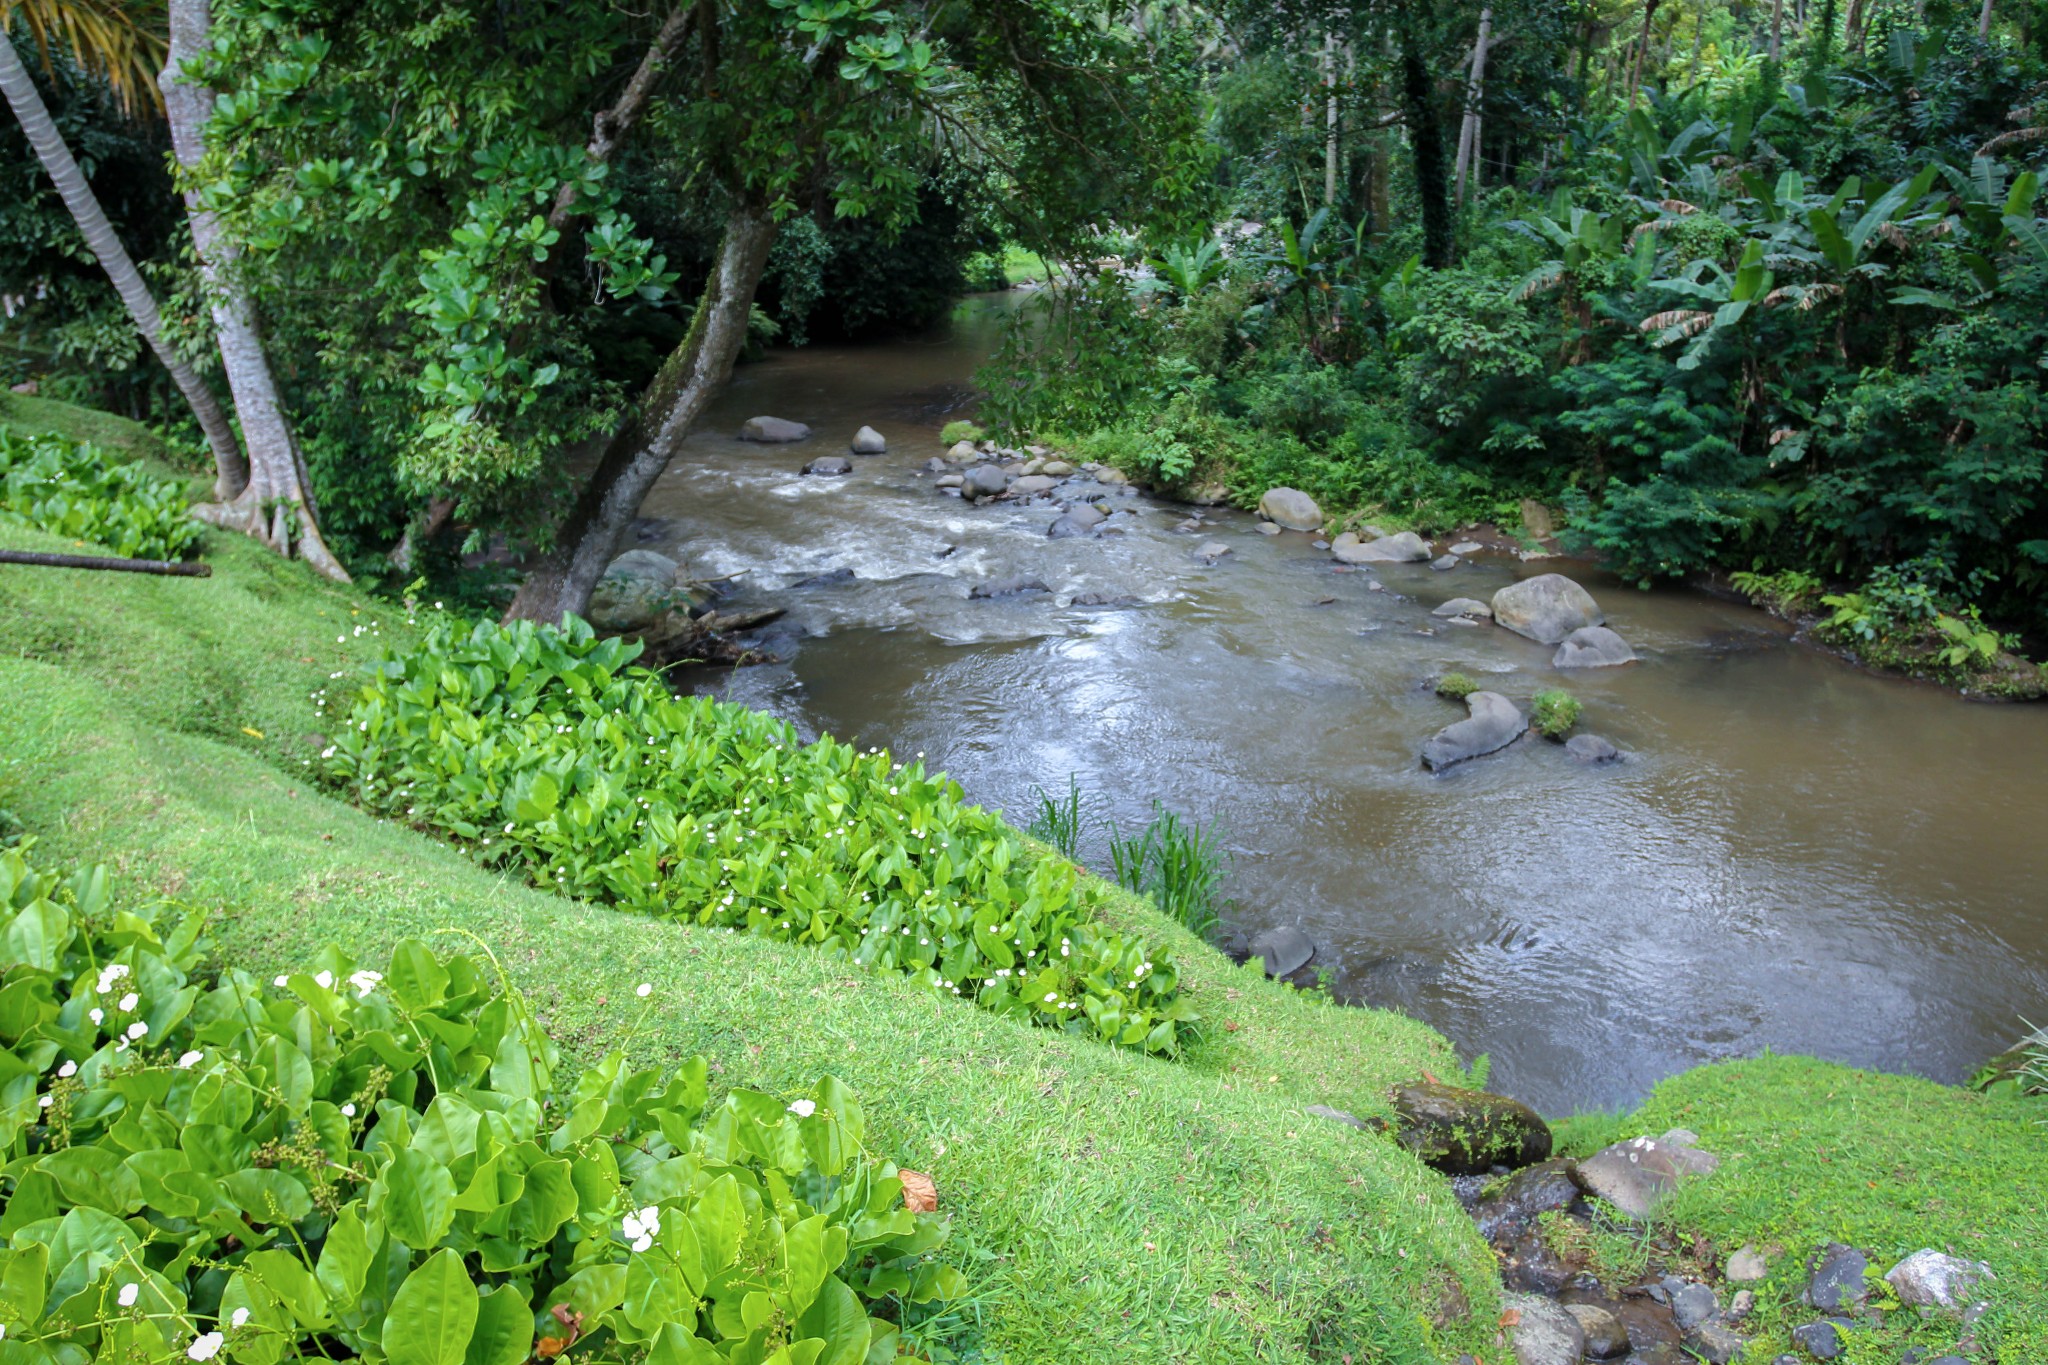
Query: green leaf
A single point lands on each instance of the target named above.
(504, 1329)
(415, 1196)
(433, 1315)
(344, 1262)
(267, 1196)
(837, 1318)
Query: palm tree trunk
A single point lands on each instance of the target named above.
(277, 468)
(689, 379)
(231, 470)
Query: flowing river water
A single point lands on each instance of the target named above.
(1794, 855)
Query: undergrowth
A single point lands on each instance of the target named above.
(71, 489)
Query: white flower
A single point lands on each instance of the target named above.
(126, 1298)
(68, 1069)
(280, 981)
(1051, 996)
(128, 1002)
(642, 1227)
(45, 1102)
(137, 1029)
(111, 973)
(364, 982)
(323, 979)
(96, 1015)
(646, 988)
(240, 1318)
(206, 1348)
(803, 1109)
(190, 1059)
(348, 1111)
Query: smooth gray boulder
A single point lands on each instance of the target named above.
(1059, 469)
(949, 481)
(868, 441)
(1463, 606)
(774, 431)
(1591, 749)
(1467, 1132)
(635, 590)
(1209, 551)
(1494, 723)
(960, 452)
(1283, 949)
(1606, 1336)
(1546, 608)
(1403, 547)
(1634, 1175)
(829, 464)
(1445, 562)
(1115, 478)
(1930, 1279)
(1592, 647)
(1291, 508)
(1030, 485)
(1543, 1333)
(985, 481)
(1069, 526)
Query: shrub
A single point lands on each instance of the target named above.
(960, 430)
(1783, 593)
(543, 751)
(70, 489)
(1554, 712)
(344, 1163)
(1455, 686)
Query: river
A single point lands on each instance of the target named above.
(1794, 855)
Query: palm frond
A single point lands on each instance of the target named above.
(113, 41)
(1676, 324)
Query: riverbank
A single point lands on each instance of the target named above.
(1116, 1207)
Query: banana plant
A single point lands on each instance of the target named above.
(1188, 270)
(1730, 296)
(1582, 237)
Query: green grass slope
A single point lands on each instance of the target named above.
(1110, 1207)
(117, 435)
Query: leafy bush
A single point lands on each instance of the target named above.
(1554, 712)
(1455, 686)
(71, 489)
(1783, 593)
(540, 748)
(344, 1163)
(961, 430)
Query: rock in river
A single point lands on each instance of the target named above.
(637, 587)
(1291, 508)
(1526, 1195)
(1494, 723)
(774, 431)
(1403, 547)
(868, 441)
(985, 481)
(1634, 1175)
(1592, 647)
(1014, 586)
(1463, 606)
(1446, 562)
(1284, 950)
(829, 464)
(1591, 749)
(1543, 1333)
(1468, 1132)
(1030, 485)
(1546, 608)
(1209, 551)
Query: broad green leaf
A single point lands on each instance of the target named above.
(433, 1315)
(837, 1318)
(344, 1262)
(415, 1196)
(504, 1329)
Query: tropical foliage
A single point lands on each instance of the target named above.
(350, 1163)
(542, 750)
(71, 489)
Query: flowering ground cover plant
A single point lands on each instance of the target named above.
(71, 489)
(345, 1163)
(545, 751)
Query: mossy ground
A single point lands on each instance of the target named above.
(1109, 1207)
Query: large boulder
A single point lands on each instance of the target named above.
(1542, 1332)
(1929, 1279)
(1291, 508)
(1033, 484)
(774, 431)
(1403, 547)
(1546, 608)
(1592, 647)
(1634, 1175)
(985, 481)
(868, 441)
(636, 589)
(1467, 1132)
(1494, 723)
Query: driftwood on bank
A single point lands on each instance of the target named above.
(168, 567)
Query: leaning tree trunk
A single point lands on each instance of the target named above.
(1426, 143)
(1475, 91)
(1984, 20)
(231, 471)
(689, 379)
(275, 507)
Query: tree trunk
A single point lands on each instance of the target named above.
(1426, 144)
(611, 125)
(231, 471)
(1777, 29)
(689, 379)
(1329, 120)
(1475, 90)
(1984, 20)
(1635, 78)
(277, 469)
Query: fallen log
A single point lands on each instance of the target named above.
(168, 567)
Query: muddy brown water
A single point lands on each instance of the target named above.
(1794, 855)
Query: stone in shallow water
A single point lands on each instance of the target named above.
(1546, 608)
(1463, 606)
(1403, 548)
(1592, 647)
(1591, 749)
(829, 464)
(1283, 949)
(1606, 1338)
(1209, 551)
(1446, 562)
(1291, 508)
(1528, 1193)
(774, 431)
(1543, 1333)
(985, 481)
(868, 441)
(1494, 723)
(1014, 586)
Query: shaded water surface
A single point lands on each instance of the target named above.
(1794, 855)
